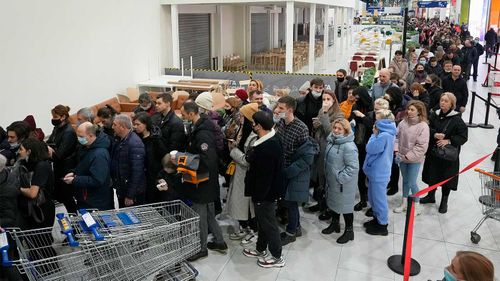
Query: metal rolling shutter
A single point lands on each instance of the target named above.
(194, 39)
(260, 32)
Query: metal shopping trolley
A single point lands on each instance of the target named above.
(159, 250)
(489, 199)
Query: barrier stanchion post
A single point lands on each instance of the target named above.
(396, 262)
(472, 103)
(497, 160)
(485, 83)
(485, 125)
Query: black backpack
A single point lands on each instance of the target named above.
(480, 49)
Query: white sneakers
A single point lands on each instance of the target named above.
(402, 208)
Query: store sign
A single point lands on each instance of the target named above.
(371, 9)
(432, 4)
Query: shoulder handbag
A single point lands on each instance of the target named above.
(448, 152)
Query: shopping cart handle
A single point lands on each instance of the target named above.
(4, 247)
(96, 233)
(66, 229)
(91, 224)
(6, 262)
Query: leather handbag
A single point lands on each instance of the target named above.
(447, 152)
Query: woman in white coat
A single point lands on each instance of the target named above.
(240, 207)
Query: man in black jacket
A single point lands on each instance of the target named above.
(458, 86)
(172, 129)
(264, 184)
(308, 106)
(491, 39)
(469, 55)
(201, 142)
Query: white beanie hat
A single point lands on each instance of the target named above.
(204, 100)
(305, 86)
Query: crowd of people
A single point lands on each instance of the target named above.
(338, 142)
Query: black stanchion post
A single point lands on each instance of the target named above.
(397, 262)
(487, 115)
(497, 160)
(473, 101)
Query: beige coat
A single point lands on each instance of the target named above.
(400, 68)
(238, 205)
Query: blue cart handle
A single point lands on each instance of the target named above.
(91, 224)
(4, 247)
(66, 229)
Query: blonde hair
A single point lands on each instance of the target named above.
(452, 99)
(384, 114)
(383, 103)
(284, 92)
(344, 123)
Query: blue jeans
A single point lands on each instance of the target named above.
(293, 217)
(409, 171)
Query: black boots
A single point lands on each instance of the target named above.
(347, 236)
(429, 198)
(443, 207)
(358, 207)
(377, 229)
(333, 227)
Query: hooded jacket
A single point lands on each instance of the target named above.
(412, 140)
(202, 142)
(172, 131)
(297, 174)
(379, 151)
(92, 188)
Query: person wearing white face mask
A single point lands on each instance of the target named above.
(329, 112)
(16, 133)
(91, 177)
(309, 105)
(145, 105)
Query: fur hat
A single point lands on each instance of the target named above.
(249, 110)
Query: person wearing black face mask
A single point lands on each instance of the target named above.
(341, 77)
(62, 147)
(433, 87)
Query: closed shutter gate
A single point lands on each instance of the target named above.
(260, 32)
(194, 39)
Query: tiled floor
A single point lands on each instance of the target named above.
(437, 237)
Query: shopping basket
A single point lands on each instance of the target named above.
(489, 199)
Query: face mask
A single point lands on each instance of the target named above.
(282, 115)
(423, 62)
(229, 111)
(448, 276)
(340, 79)
(56, 122)
(336, 134)
(427, 85)
(316, 94)
(255, 130)
(276, 119)
(82, 140)
(145, 107)
(14, 145)
(420, 71)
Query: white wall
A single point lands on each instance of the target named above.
(233, 30)
(76, 53)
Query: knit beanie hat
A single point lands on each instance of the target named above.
(242, 94)
(204, 100)
(305, 86)
(248, 110)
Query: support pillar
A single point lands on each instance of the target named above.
(290, 11)
(326, 36)
(335, 29)
(174, 17)
(312, 35)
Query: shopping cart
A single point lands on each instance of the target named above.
(489, 199)
(159, 250)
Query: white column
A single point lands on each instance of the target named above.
(341, 25)
(219, 39)
(344, 30)
(289, 36)
(276, 22)
(335, 27)
(312, 34)
(248, 33)
(175, 36)
(296, 23)
(326, 38)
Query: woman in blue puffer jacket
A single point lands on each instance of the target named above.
(377, 167)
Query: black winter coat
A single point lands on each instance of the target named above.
(92, 181)
(64, 141)
(436, 169)
(201, 141)
(127, 166)
(264, 181)
(172, 131)
(154, 154)
(458, 88)
(8, 196)
(308, 108)
(490, 37)
(434, 96)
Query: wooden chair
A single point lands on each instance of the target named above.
(122, 98)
